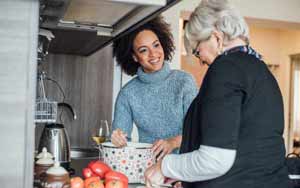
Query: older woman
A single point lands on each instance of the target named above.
(232, 136)
(157, 99)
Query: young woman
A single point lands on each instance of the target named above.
(157, 99)
(232, 135)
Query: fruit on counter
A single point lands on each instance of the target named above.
(76, 182)
(90, 163)
(99, 168)
(115, 184)
(87, 172)
(95, 184)
(98, 172)
(89, 180)
(114, 175)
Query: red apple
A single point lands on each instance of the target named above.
(95, 184)
(115, 184)
(99, 168)
(87, 172)
(77, 182)
(114, 175)
(89, 180)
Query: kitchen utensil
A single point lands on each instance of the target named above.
(55, 138)
(41, 166)
(43, 154)
(100, 134)
(131, 160)
(57, 177)
(45, 109)
(45, 37)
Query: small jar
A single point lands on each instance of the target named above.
(57, 177)
(40, 168)
(43, 153)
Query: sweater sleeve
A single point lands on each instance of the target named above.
(190, 91)
(123, 115)
(203, 164)
(220, 112)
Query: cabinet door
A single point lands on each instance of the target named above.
(87, 83)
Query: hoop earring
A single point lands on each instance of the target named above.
(220, 51)
(135, 59)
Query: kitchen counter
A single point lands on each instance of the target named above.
(81, 162)
(135, 185)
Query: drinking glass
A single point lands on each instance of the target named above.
(101, 134)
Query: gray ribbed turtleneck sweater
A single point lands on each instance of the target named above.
(156, 102)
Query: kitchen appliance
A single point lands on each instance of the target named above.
(55, 138)
(82, 27)
(131, 160)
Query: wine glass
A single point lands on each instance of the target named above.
(101, 134)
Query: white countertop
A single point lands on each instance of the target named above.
(136, 185)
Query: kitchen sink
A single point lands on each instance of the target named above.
(80, 157)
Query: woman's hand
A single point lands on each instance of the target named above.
(119, 138)
(162, 147)
(154, 176)
(178, 185)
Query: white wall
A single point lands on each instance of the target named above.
(18, 44)
(281, 10)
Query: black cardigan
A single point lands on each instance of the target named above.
(239, 107)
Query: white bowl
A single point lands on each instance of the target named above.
(131, 160)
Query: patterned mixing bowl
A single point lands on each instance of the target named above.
(131, 160)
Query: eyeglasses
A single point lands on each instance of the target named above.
(195, 51)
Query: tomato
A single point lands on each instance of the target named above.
(99, 168)
(87, 172)
(92, 162)
(115, 184)
(90, 180)
(95, 184)
(77, 182)
(114, 175)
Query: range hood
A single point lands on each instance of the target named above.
(82, 27)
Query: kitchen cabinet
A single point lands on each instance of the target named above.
(83, 27)
(87, 83)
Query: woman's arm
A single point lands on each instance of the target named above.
(123, 121)
(220, 112)
(203, 164)
(163, 147)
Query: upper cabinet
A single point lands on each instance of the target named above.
(82, 27)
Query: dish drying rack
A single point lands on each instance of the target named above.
(45, 109)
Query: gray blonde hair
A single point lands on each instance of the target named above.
(213, 15)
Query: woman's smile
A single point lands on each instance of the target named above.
(148, 51)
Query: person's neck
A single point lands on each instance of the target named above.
(234, 43)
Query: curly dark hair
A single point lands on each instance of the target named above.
(123, 47)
